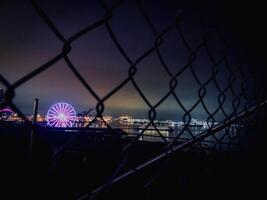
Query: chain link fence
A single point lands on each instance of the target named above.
(236, 97)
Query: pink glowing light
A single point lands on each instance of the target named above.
(61, 115)
(6, 110)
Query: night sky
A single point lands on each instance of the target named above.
(27, 42)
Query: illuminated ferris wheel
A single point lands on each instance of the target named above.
(61, 115)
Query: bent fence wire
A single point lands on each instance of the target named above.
(237, 90)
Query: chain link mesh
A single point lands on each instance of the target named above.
(236, 89)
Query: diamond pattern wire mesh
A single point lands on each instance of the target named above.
(236, 90)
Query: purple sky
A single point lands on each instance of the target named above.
(27, 42)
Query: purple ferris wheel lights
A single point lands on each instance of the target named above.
(61, 115)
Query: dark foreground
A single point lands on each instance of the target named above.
(53, 172)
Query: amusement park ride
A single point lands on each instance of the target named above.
(61, 115)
